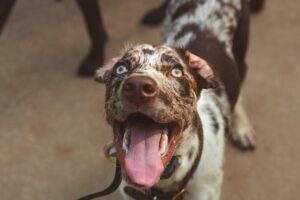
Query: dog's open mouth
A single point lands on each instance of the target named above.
(145, 147)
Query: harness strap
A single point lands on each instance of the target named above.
(110, 189)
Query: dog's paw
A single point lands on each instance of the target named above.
(90, 64)
(243, 137)
(241, 132)
(153, 18)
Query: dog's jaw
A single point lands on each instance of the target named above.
(145, 147)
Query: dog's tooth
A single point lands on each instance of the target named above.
(126, 140)
(165, 130)
(163, 144)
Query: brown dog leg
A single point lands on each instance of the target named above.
(92, 16)
(156, 16)
(256, 5)
(5, 9)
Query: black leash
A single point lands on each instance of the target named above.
(118, 179)
(110, 189)
(153, 193)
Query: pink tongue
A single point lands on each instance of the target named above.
(143, 163)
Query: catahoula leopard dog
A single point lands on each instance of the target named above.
(170, 105)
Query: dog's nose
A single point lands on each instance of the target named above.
(139, 89)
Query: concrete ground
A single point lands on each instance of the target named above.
(52, 126)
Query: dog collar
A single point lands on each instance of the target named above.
(154, 194)
(110, 189)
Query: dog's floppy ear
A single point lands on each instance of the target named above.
(103, 73)
(203, 69)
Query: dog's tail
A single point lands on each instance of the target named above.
(256, 5)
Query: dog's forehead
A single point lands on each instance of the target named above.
(148, 56)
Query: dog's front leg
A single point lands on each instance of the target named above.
(241, 131)
(207, 181)
(5, 9)
(92, 16)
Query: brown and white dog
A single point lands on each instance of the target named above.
(178, 99)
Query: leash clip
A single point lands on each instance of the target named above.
(181, 192)
(110, 152)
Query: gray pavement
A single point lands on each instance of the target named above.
(52, 126)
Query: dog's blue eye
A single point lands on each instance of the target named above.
(176, 72)
(121, 69)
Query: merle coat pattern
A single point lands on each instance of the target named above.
(204, 101)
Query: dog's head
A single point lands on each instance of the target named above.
(151, 99)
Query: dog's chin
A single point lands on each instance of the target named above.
(145, 147)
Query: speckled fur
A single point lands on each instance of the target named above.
(174, 102)
(173, 105)
(218, 19)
